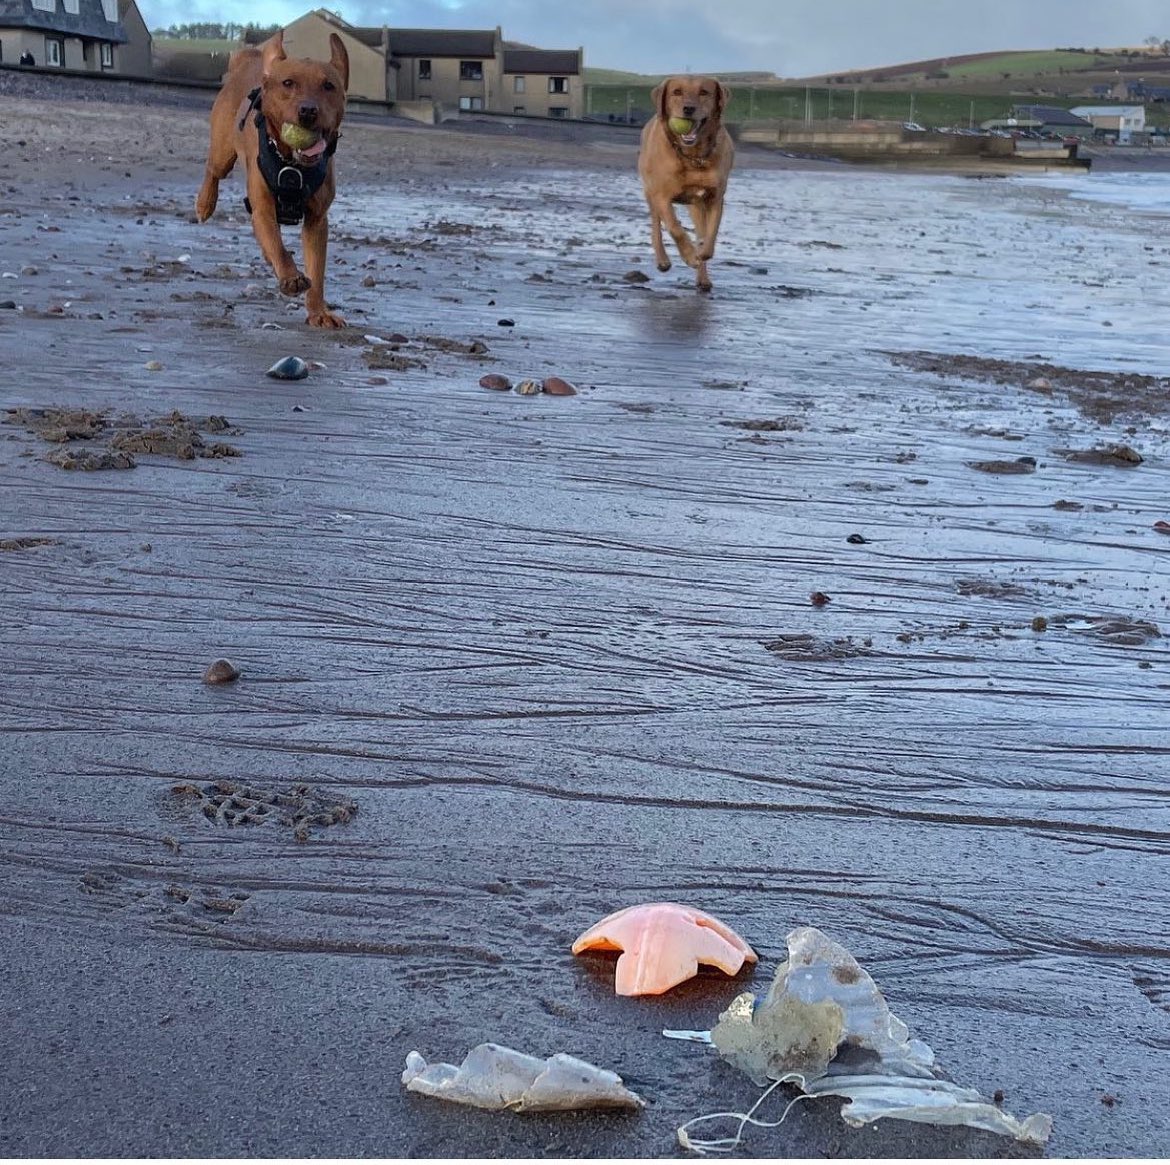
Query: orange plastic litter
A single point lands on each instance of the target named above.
(662, 945)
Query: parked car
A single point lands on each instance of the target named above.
(914, 127)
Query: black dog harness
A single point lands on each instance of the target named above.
(291, 185)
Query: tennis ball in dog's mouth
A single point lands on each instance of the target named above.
(297, 136)
(681, 125)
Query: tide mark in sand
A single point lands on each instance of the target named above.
(1154, 984)
(1120, 629)
(299, 806)
(809, 648)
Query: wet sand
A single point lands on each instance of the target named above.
(512, 662)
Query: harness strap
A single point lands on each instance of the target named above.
(291, 185)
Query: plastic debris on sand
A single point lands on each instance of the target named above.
(662, 945)
(825, 1027)
(495, 1077)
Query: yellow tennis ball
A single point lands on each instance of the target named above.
(297, 136)
(681, 125)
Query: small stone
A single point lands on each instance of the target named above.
(1040, 384)
(555, 386)
(819, 598)
(377, 380)
(369, 281)
(146, 548)
(506, 323)
(857, 539)
(289, 368)
(1162, 527)
(153, 366)
(1039, 623)
(8, 304)
(29, 270)
(477, 348)
(222, 671)
(528, 388)
(636, 277)
(496, 381)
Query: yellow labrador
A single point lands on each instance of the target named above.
(686, 157)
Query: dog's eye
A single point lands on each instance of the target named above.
(288, 82)
(328, 86)
(704, 93)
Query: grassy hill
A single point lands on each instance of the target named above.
(944, 91)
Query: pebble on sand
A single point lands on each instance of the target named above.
(555, 386)
(289, 368)
(222, 671)
(528, 388)
(496, 381)
(819, 598)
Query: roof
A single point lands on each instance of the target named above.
(526, 60)
(89, 21)
(469, 43)
(1109, 110)
(1049, 115)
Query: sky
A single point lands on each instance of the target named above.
(792, 38)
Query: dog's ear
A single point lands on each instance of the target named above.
(722, 97)
(658, 96)
(272, 50)
(339, 58)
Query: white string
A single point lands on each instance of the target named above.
(727, 1144)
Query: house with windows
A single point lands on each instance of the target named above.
(458, 68)
(1115, 121)
(544, 82)
(86, 35)
(466, 69)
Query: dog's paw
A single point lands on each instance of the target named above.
(294, 284)
(664, 265)
(205, 207)
(324, 319)
(703, 283)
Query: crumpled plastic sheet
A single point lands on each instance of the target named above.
(494, 1077)
(825, 1027)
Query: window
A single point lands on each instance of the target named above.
(517, 84)
(424, 69)
(518, 109)
(54, 51)
(107, 55)
(73, 7)
(558, 84)
(558, 111)
(471, 70)
(470, 103)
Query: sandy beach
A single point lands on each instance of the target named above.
(509, 663)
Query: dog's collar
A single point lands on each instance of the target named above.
(292, 186)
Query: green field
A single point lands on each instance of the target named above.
(167, 45)
(752, 102)
(1027, 64)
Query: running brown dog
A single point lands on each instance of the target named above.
(282, 116)
(687, 162)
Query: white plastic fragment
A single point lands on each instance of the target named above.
(495, 1077)
(825, 1027)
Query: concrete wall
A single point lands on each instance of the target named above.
(309, 37)
(134, 57)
